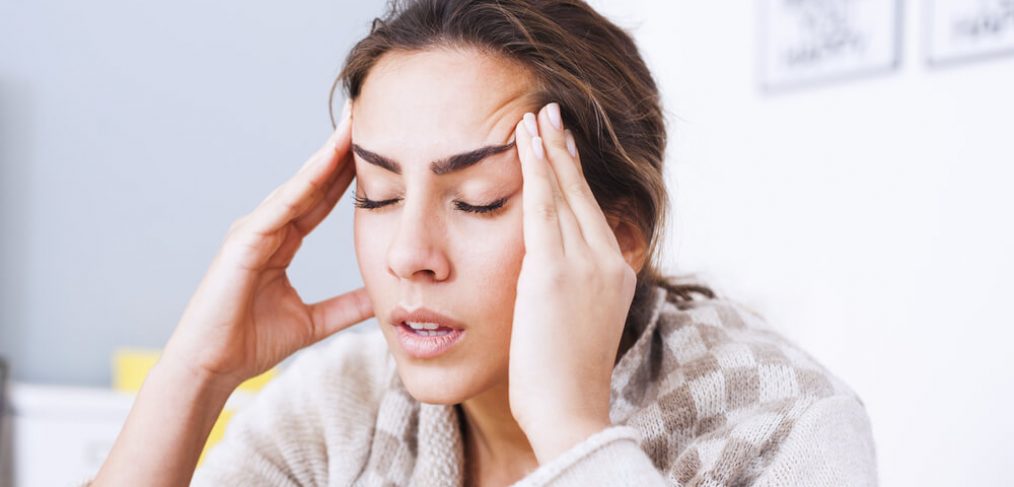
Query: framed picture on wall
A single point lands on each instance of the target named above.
(958, 30)
(809, 41)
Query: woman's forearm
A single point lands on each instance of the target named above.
(166, 428)
(244, 299)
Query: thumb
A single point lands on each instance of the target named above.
(335, 314)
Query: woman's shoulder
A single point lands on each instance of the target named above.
(726, 334)
(716, 391)
(699, 338)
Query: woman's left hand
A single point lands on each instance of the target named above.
(574, 292)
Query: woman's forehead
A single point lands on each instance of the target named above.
(440, 101)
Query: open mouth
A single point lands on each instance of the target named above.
(425, 329)
(425, 333)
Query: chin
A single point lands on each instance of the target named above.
(446, 382)
(436, 383)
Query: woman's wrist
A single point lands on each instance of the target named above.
(201, 385)
(553, 437)
(181, 362)
(167, 427)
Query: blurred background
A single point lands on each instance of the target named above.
(842, 166)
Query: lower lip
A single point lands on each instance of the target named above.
(424, 347)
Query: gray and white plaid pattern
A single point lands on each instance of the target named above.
(712, 390)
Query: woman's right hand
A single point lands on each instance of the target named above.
(245, 316)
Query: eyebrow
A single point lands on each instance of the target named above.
(450, 164)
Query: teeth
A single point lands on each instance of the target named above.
(427, 329)
(431, 333)
(422, 326)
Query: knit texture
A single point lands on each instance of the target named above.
(707, 395)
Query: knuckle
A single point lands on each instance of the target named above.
(237, 225)
(617, 268)
(316, 189)
(548, 275)
(556, 277)
(578, 188)
(557, 150)
(291, 209)
(586, 270)
(546, 212)
(290, 205)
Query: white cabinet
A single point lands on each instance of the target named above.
(56, 436)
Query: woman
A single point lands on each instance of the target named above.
(510, 200)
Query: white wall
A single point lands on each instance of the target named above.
(131, 135)
(869, 220)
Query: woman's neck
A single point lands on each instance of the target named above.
(496, 449)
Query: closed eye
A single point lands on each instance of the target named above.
(490, 208)
(364, 202)
(368, 204)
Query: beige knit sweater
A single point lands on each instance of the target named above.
(706, 395)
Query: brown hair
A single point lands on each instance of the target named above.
(584, 62)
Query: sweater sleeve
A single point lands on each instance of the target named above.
(302, 428)
(610, 457)
(830, 443)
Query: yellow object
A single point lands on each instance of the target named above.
(217, 431)
(131, 367)
(255, 384)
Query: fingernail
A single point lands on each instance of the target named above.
(553, 110)
(531, 125)
(571, 144)
(540, 152)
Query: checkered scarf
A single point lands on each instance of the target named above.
(710, 388)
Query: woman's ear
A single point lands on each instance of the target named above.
(632, 242)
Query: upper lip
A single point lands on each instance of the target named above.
(423, 315)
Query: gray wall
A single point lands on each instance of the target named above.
(131, 135)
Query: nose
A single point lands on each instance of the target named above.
(418, 251)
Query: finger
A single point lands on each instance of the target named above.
(337, 186)
(550, 130)
(307, 187)
(335, 314)
(570, 231)
(306, 223)
(570, 237)
(567, 167)
(339, 140)
(540, 219)
(572, 149)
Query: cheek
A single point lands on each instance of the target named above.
(371, 241)
(487, 258)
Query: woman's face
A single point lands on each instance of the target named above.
(442, 233)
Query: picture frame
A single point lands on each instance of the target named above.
(805, 42)
(967, 30)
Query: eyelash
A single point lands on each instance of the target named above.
(368, 204)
